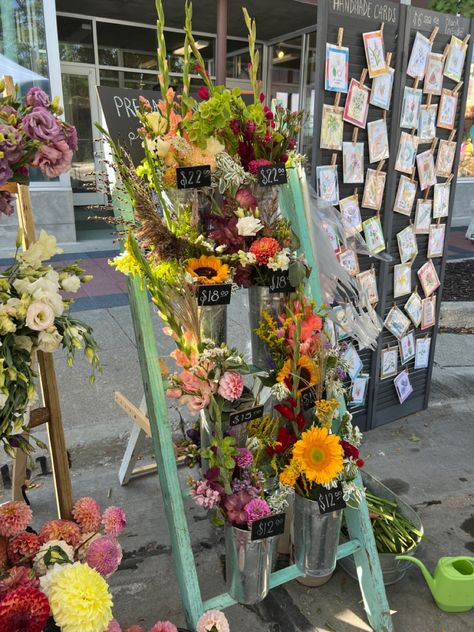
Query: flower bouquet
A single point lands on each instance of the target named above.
(32, 134)
(34, 316)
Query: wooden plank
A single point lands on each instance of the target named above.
(137, 414)
(38, 417)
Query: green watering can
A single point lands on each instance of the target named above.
(452, 586)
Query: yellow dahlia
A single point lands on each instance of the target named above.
(319, 455)
(307, 372)
(208, 269)
(79, 598)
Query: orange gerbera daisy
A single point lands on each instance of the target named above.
(319, 455)
(208, 269)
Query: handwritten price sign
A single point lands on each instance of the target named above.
(268, 527)
(280, 281)
(330, 500)
(216, 294)
(272, 175)
(244, 416)
(193, 177)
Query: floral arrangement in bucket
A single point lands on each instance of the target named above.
(210, 621)
(57, 575)
(32, 134)
(34, 316)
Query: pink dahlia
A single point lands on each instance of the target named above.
(15, 516)
(115, 520)
(60, 530)
(114, 626)
(231, 385)
(16, 577)
(264, 249)
(164, 626)
(104, 554)
(260, 162)
(24, 610)
(213, 619)
(24, 545)
(86, 512)
(257, 508)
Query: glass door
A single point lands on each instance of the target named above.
(81, 110)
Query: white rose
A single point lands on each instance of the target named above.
(39, 316)
(49, 341)
(71, 283)
(23, 342)
(248, 226)
(280, 261)
(41, 250)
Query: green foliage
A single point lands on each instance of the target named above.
(463, 7)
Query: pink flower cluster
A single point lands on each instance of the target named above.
(204, 495)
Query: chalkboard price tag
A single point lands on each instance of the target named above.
(280, 281)
(330, 500)
(308, 397)
(272, 175)
(214, 294)
(246, 415)
(268, 527)
(193, 177)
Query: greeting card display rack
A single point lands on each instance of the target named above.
(361, 543)
(50, 413)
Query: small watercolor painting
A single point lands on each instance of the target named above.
(352, 163)
(406, 153)
(327, 183)
(332, 127)
(350, 214)
(368, 282)
(433, 83)
(445, 158)
(378, 140)
(428, 278)
(381, 93)
(356, 107)
(405, 197)
(337, 68)
(407, 244)
(426, 169)
(389, 362)
(349, 261)
(436, 240)
(454, 64)
(419, 56)
(396, 322)
(448, 106)
(423, 216)
(374, 189)
(427, 123)
(413, 308)
(422, 353)
(373, 234)
(411, 107)
(428, 312)
(403, 386)
(375, 53)
(407, 347)
(441, 195)
(401, 279)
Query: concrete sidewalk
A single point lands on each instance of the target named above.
(427, 458)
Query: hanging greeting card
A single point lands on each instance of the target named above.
(350, 214)
(388, 362)
(455, 59)
(352, 163)
(373, 234)
(332, 236)
(426, 169)
(406, 153)
(373, 189)
(422, 353)
(428, 278)
(368, 282)
(396, 322)
(407, 347)
(378, 140)
(374, 53)
(327, 183)
(428, 312)
(445, 158)
(441, 200)
(423, 216)
(403, 386)
(447, 109)
(401, 279)
(434, 74)
(436, 240)
(405, 197)
(419, 57)
(357, 104)
(411, 105)
(337, 68)
(413, 308)
(349, 261)
(407, 244)
(332, 127)
(381, 93)
(359, 390)
(353, 360)
(427, 123)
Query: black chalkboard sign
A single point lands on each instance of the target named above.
(246, 415)
(193, 177)
(272, 175)
(268, 527)
(214, 294)
(330, 500)
(120, 106)
(280, 281)
(308, 397)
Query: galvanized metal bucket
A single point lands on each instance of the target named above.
(213, 320)
(260, 299)
(248, 565)
(316, 538)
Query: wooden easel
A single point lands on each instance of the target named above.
(50, 414)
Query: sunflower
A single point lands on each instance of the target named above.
(307, 371)
(208, 269)
(319, 455)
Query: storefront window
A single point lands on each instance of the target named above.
(286, 65)
(76, 42)
(466, 164)
(238, 59)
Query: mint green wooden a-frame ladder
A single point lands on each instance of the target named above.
(361, 544)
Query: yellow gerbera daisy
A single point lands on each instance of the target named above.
(319, 454)
(208, 269)
(307, 371)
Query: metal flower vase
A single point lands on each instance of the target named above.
(248, 565)
(316, 538)
(213, 323)
(262, 300)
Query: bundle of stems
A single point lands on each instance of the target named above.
(393, 532)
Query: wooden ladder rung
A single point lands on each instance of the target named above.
(38, 417)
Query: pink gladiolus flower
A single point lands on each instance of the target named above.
(184, 360)
(231, 385)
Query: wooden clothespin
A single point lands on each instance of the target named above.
(381, 28)
(434, 34)
(466, 39)
(384, 115)
(355, 135)
(448, 181)
(356, 192)
(445, 52)
(413, 171)
(427, 192)
(340, 34)
(337, 98)
(388, 59)
(333, 160)
(457, 88)
(452, 135)
(428, 100)
(438, 221)
(363, 76)
(434, 144)
(380, 166)
(415, 84)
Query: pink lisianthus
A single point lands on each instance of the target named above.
(198, 402)
(40, 124)
(54, 159)
(257, 508)
(114, 520)
(213, 619)
(36, 97)
(164, 626)
(231, 385)
(191, 383)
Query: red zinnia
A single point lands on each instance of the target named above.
(24, 545)
(24, 610)
(264, 249)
